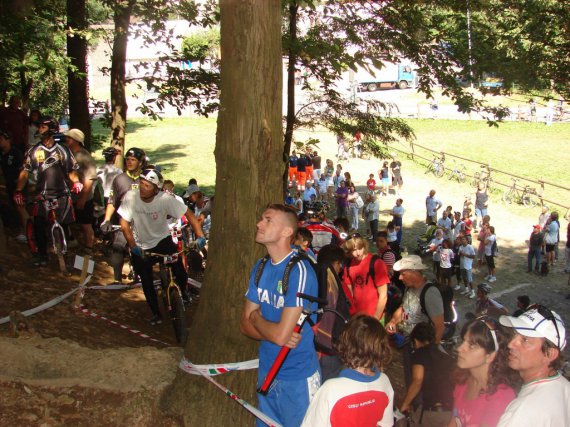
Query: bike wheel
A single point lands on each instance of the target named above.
(529, 200)
(462, 178)
(59, 248)
(508, 196)
(178, 315)
(440, 171)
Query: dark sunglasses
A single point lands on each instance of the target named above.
(352, 236)
(548, 315)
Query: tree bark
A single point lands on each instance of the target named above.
(290, 118)
(77, 83)
(121, 17)
(249, 150)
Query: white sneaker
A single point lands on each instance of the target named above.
(466, 291)
(492, 279)
(456, 287)
(22, 238)
(472, 295)
(487, 277)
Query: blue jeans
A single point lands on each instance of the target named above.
(534, 253)
(287, 401)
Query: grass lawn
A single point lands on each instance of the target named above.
(184, 147)
(531, 150)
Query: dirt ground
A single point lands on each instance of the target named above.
(78, 370)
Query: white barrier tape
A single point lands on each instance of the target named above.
(114, 287)
(251, 409)
(90, 313)
(218, 369)
(44, 306)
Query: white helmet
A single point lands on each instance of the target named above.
(153, 176)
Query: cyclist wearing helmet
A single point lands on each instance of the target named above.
(144, 221)
(135, 160)
(108, 172)
(52, 164)
(323, 234)
(485, 306)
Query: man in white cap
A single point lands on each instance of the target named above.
(534, 352)
(422, 302)
(83, 201)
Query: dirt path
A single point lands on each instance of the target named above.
(79, 370)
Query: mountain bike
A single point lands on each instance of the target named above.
(436, 166)
(526, 195)
(457, 173)
(171, 294)
(57, 233)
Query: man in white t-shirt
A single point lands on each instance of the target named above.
(444, 223)
(466, 256)
(534, 352)
(144, 222)
(433, 204)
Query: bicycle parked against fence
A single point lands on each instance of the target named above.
(526, 195)
(457, 173)
(436, 166)
(483, 177)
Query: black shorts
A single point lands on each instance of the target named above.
(85, 215)
(549, 247)
(446, 273)
(490, 261)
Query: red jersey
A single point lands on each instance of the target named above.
(364, 290)
(371, 184)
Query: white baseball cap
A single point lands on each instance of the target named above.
(76, 135)
(538, 322)
(410, 262)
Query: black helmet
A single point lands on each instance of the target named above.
(153, 176)
(110, 153)
(51, 123)
(137, 153)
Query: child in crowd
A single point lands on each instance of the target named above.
(303, 240)
(362, 395)
(371, 183)
(445, 263)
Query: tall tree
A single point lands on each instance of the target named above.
(248, 152)
(77, 83)
(121, 18)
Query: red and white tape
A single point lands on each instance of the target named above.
(90, 313)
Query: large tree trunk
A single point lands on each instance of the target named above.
(77, 82)
(292, 62)
(121, 17)
(249, 150)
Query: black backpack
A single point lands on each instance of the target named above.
(342, 305)
(447, 298)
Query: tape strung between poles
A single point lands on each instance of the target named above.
(187, 366)
(217, 369)
(42, 307)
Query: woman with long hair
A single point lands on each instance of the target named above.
(484, 382)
